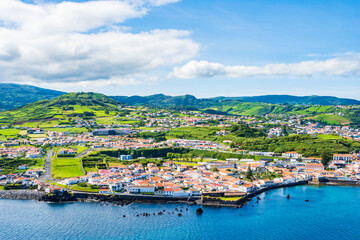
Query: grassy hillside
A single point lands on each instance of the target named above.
(256, 108)
(16, 95)
(288, 99)
(63, 109)
(331, 119)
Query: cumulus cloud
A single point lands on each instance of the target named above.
(84, 41)
(346, 65)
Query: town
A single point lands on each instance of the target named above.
(153, 159)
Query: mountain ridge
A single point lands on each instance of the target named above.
(16, 95)
(66, 106)
(162, 100)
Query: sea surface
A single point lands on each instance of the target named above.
(333, 212)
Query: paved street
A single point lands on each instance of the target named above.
(47, 174)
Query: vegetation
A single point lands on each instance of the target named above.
(230, 198)
(327, 119)
(63, 109)
(326, 158)
(85, 187)
(305, 144)
(16, 95)
(163, 101)
(66, 167)
(242, 130)
(10, 165)
(248, 174)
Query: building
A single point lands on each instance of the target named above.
(125, 157)
(292, 155)
(142, 189)
(104, 132)
(342, 157)
(124, 131)
(35, 131)
(67, 152)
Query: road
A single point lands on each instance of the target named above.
(83, 153)
(47, 174)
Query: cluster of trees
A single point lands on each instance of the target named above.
(243, 130)
(305, 144)
(11, 164)
(97, 161)
(187, 157)
(157, 136)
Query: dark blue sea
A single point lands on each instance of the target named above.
(332, 212)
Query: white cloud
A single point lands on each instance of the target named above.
(83, 42)
(346, 65)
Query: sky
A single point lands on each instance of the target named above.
(176, 47)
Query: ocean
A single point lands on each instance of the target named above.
(332, 212)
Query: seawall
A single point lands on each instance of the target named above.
(21, 194)
(246, 198)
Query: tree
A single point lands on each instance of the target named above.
(284, 130)
(170, 155)
(248, 174)
(325, 158)
(214, 169)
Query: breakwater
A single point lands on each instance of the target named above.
(21, 194)
(218, 202)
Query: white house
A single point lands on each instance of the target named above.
(142, 189)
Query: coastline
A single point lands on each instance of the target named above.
(128, 199)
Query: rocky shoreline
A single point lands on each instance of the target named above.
(84, 197)
(128, 199)
(21, 194)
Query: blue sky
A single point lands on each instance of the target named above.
(223, 52)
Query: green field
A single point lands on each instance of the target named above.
(83, 189)
(233, 199)
(66, 167)
(7, 133)
(332, 119)
(208, 133)
(187, 164)
(70, 130)
(324, 136)
(257, 108)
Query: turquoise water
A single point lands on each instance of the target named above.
(332, 213)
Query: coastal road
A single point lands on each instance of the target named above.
(47, 174)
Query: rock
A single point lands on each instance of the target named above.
(199, 211)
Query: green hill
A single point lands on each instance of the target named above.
(161, 100)
(61, 109)
(16, 95)
(288, 99)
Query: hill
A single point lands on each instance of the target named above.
(62, 109)
(288, 99)
(223, 105)
(161, 100)
(16, 95)
(164, 101)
